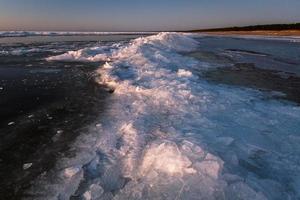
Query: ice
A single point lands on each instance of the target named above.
(94, 192)
(60, 33)
(209, 167)
(86, 55)
(168, 134)
(11, 123)
(183, 73)
(59, 131)
(87, 195)
(27, 166)
(98, 125)
(241, 191)
(24, 50)
(46, 71)
(231, 178)
(165, 41)
(50, 118)
(30, 116)
(56, 137)
(71, 171)
(167, 158)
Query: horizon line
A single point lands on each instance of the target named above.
(196, 29)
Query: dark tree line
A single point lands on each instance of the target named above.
(269, 27)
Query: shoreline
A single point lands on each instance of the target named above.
(258, 32)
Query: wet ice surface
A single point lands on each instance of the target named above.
(173, 129)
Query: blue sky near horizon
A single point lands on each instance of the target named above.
(142, 15)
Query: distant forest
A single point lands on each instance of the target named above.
(268, 27)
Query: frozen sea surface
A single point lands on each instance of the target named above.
(174, 127)
(63, 33)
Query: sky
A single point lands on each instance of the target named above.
(142, 15)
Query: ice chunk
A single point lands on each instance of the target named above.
(173, 41)
(184, 73)
(11, 123)
(98, 125)
(94, 192)
(27, 166)
(71, 171)
(167, 158)
(87, 195)
(61, 33)
(192, 151)
(231, 178)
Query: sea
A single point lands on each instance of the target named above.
(149, 116)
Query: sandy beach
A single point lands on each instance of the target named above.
(262, 32)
